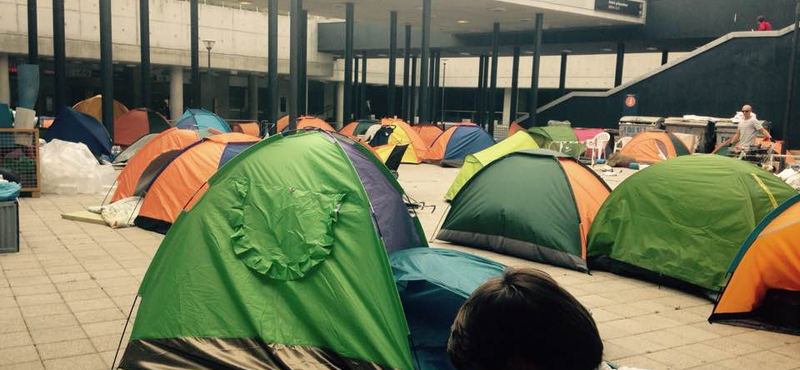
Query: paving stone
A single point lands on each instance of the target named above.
(33, 365)
(20, 338)
(45, 310)
(91, 304)
(34, 289)
(52, 321)
(104, 328)
(16, 355)
(52, 335)
(83, 362)
(108, 314)
(49, 351)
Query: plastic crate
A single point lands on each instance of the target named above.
(9, 227)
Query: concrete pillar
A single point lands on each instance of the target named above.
(507, 106)
(252, 96)
(5, 86)
(339, 105)
(175, 93)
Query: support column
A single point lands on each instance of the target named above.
(436, 96)
(356, 91)
(481, 93)
(302, 97)
(33, 33)
(664, 57)
(294, 62)
(514, 86)
(144, 48)
(620, 63)
(493, 90)
(426, 44)
(406, 75)
(412, 96)
(272, 61)
(107, 67)
(175, 93)
(562, 76)
(59, 57)
(194, 40)
(348, 64)
(507, 92)
(5, 85)
(790, 82)
(339, 105)
(362, 95)
(390, 104)
(252, 96)
(533, 98)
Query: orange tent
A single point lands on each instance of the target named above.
(137, 123)
(247, 128)
(304, 122)
(407, 135)
(428, 133)
(764, 289)
(185, 175)
(94, 107)
(653, 147)
(143, 167)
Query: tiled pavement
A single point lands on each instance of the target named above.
(65, 296)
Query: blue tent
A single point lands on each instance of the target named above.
(433, 284)
(71, 125)
(202, 120)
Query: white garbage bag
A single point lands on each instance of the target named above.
(791, 177)
(120, 213)
(70, 168)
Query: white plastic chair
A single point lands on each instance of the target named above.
(621, 143)
(596, 146)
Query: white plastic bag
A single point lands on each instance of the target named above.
(70, 168)
(120, 213)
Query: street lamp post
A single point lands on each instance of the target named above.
(209, 45)
(444, 86)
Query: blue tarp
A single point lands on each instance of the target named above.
(466, 140)
(73, 126)
(433, 284)
(202, 120)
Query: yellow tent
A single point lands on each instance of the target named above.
(94, 107)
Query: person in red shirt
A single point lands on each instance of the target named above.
(763, 25)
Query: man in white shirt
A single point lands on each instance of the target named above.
(748, 129)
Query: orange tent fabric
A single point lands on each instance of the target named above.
(182, 178)
(247, 128)
(170, 141)
(94, 107)
(438, 151)
(304, 122)
(589, 191)
(514, 128)
(768, 261)
(137, 123)
(420, 148)
(653, 147)
(428, 133)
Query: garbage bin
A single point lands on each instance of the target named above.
(724, 129)
(9, 226)
(702, 128)
(630, 126)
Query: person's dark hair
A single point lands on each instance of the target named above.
(760, 18)
(524, 320)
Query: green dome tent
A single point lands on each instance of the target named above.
(559, 138)
(533, 204)
(281, 264)
(474, 162)
(681, 222)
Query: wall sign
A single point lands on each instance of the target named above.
(625, 7)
